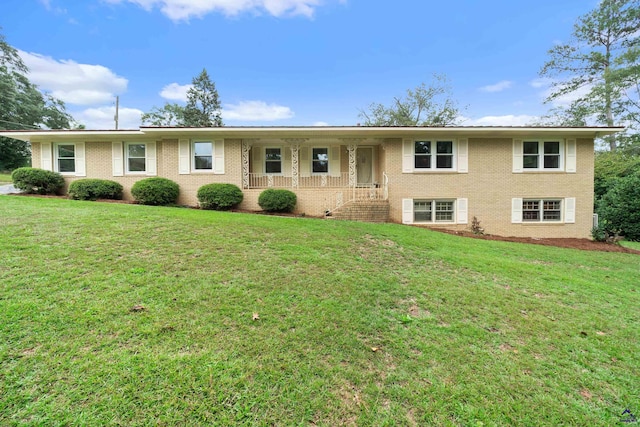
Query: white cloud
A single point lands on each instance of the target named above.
(541, 82)
(183, 10)
(103, 117)
(46, 4)
(175, 92)
(321, 124)
(546, 89)
(498, 87)
(506, 120)
(255, 111)
(74, 83)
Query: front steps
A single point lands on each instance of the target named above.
(362, 210)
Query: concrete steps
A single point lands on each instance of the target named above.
(363, 210)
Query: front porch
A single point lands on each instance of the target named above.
(352, 167)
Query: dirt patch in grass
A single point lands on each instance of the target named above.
(582, 244)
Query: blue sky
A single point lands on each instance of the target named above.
(289, 62)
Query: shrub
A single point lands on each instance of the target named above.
(219, 196)
(37, 181)
(155, 191)
(277, 200)
(93, 189)
(619, 208)
(598, 233)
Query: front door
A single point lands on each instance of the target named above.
(364, 166)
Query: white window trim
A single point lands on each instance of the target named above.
(567, 210)
(434, 144)
(433, 211)
(328, 172)
(541, 167)
(541, 210)
(56, 157)
(264, 160)
(192, 156)
(126, 157)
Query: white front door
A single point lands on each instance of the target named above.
(364, 166)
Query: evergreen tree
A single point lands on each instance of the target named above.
(203, 106)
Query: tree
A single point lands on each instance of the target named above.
(619, 208)
(426, 105)
(202, 109)
(23, 106)
(597, 63)
(609, 167)
(171, 114)
(203, 106)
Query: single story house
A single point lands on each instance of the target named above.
(517, 181)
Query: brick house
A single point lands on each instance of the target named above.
(518, 181)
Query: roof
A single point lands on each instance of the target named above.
(312, 131)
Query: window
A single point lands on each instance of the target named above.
(273, 160)
(424, 155)
(541, 210)
(65, 158)
(433, 211)
(541, 155)
(202, 156)
(320, 160)
(136, 157)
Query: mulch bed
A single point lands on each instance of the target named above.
(582, 244)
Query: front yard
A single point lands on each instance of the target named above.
(254, 320)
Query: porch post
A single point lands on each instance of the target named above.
(353, 177)
(294, 145)
(246, 147)
(352, 148)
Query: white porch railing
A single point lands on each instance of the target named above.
(374, 192)
(260, 180)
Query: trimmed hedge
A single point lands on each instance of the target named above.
(94, 189)
(273, 200)
(219, 196)
(155, 191)
(37, 181)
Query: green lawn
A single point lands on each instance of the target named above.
(466, 332)
(5, 178)
(632, 245)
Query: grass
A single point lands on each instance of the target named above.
(5, 178)
(465, 332)
(632, 245)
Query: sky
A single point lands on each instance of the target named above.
(290, 62)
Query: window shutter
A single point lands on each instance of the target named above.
(46, 162)
(286, 160)
(81, 168)
(462, 209)
(463, 156)
(257, 164)
(150, 164)
(570, 210)
(571, 156)
(334, 164)
(407, 156)
(517, 156)
(303, 162)
(184, 160)
(218, 156)
(407, 211)
(116, 157)
(516, 210)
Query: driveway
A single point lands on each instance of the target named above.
(8, 189)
